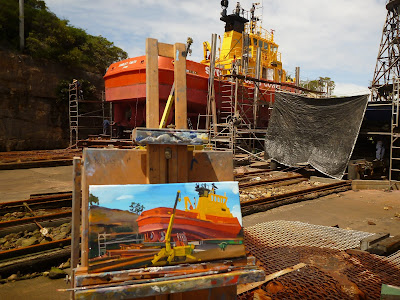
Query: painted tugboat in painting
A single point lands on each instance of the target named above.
(209, 218)
(125, 81)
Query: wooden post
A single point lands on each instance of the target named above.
(180, 86)
(85, 220)
(76, 218)
(152, 87)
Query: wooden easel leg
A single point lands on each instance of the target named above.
(76, 218)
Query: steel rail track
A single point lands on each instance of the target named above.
(269, 181)
(255, 205)
(45, 201)
(13, 253)
(251, 173)
(22, 221)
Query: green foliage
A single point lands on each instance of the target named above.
(52, 38)
(89, 91)
(136, 208)
(322, 84)
(93, 200)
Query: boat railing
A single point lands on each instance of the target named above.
(218, 198)
(261, 32)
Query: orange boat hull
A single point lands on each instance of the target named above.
(125, 86)
(154, 223)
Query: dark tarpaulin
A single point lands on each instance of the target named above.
(321, 132)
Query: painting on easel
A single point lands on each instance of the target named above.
(143, 225)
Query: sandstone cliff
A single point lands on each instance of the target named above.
(30, 116)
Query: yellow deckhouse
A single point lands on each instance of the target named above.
(241, 40)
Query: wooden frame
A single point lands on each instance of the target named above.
(178, 53)
(156, 164)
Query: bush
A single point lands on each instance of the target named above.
(52, 38)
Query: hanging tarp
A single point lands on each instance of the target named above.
(321, 132)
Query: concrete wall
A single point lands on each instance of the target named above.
(30, 117)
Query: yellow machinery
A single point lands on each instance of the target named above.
(168, 252)
(239, 46)
(209, 203)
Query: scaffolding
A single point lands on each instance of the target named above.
(394, 167)
(385, 85)
(387, 64)
(235, 126)
(86, 117)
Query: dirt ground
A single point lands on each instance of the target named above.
(19, 184)
(352, 210)
(365, 210)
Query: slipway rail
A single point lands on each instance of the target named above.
(265, 203)
(269, 181)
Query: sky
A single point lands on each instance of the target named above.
(161, 195)
(337, 39)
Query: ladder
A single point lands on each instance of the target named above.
(394, 167)
(73, 114)
(102, 239)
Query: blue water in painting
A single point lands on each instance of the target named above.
(162, 195)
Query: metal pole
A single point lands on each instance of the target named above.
(256, 92)
(21, 25)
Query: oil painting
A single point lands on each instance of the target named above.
(143, 225)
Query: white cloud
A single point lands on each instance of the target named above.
(125, 198)
(338, 39)
(235, 188)
(349, 89)
(236, 212)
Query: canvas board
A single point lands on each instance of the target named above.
(135, 225)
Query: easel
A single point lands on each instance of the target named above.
(158, 163)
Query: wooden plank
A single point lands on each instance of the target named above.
(180, 86)
(153, 165)
(84, 279)
(183, 163)
(209, 166)
(166, 50)
(76, 217)
(173, 164)
(172, 286)
(115, 166)
(247, 287)
(152, 86)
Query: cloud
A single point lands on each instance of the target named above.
(338, 39)
(235, 188)
(349, 89)
(236, 212)
(125, 198)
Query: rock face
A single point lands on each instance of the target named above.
(30, 116)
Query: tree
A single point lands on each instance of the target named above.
(136, 208)
(93, 200)
(52, 38)
(322, 84)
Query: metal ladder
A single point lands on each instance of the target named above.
(102, 238)
(394, 168)
(73, 114)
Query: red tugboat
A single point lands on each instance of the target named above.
(125, 81)
(209, 219)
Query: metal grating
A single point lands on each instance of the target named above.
(394, 258)
(331, 273)
(294, 233)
